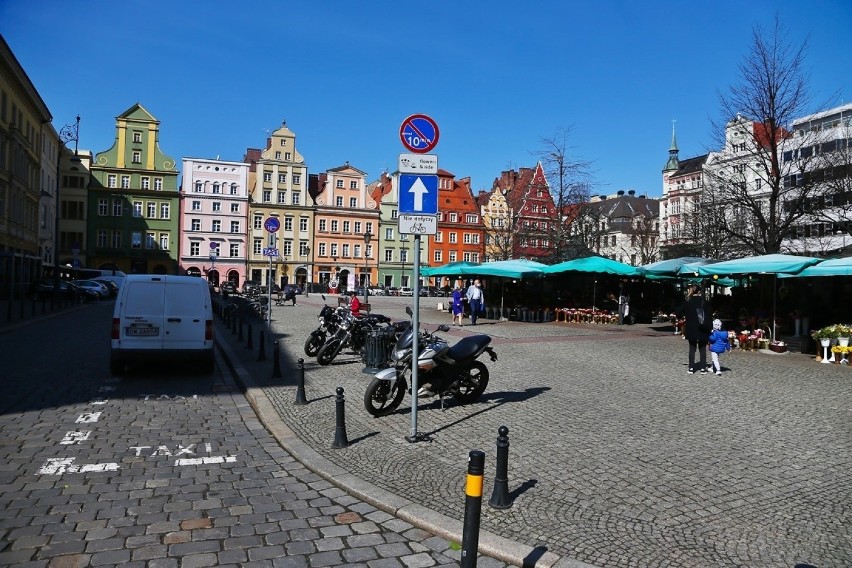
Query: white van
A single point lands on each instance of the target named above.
(162, 316)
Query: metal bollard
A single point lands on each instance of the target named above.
(233, 323)
(249, 343)
(500, 496)
(340, 440)
(472, 508)
(300, 389)
(276, 362)
(240, 329)
(261, 350)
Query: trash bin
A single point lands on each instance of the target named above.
(377, 350)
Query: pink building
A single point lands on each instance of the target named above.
(213, 217)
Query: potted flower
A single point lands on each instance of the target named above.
(843, 332)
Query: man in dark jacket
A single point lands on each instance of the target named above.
(697, 332)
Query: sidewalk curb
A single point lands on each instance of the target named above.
(422, 517)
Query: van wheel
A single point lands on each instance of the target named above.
(116, 367)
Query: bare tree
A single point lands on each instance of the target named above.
(753, 185)
(569, 180)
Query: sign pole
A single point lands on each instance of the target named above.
(416, 323)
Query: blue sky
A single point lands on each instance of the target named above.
(497, 76)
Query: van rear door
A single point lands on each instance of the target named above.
(186, 309)
(142, 322)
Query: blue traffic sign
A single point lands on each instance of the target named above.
(271, 224)
(418, 194)
(419, 133)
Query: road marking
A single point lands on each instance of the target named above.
(88, 418)
(106, 389)
(100, 401)
(58, 466)
(206, 461)
(168, 397)
(75, 437)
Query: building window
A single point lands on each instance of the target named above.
(217, 188)
(158, 184)
(339, 184)
(152, 210)
(257, 246)
(267, 196)
(116, 239)
(467, 238)
(164, 211)
(322, 226)
(235, 226)
(137, 157)
(258, 221)
(453, 217)
(439, 237)
(137, 137)
(146, 183)
(346, 250)
(288, 248)
(353, 202)
(287, 156)
(403, 255)
(283, 142)
(117, 208)
(196, 206)
(150, 241)
(277, 155)
(338, 201)
(394, 213)
(297, 198)
(438, 256)
(288, 224)
(303, 248)
(125, 182)
(356, 250)
(297, 179)
(194, 249)
(370, 228)
(322, 249)
(217, 206)
(233, 189)
(346, 226)
(353, 185)
(267, 176)
(303, 224)
(333, 249)
(453, 238)
(137, 208)
(472, 218)
(217, 226)
(282, 178)
(164, 241)
(112, 180)
(235, 207)
(466, 257)
(234, 250)
(388, 255)
(335, 226)
(196, 225)
(452, 256)
(101, 238)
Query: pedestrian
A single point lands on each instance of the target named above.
(355, 306)
(476, 299)
(457, 306)
(289, 294)
(719, 343)
(697, 327)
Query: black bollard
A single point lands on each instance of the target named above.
(34, 307)
(276, 362)
(300, 390)
(43, 305)
(340, 440)
(261, 349)
(249, 344)
(472, 508)
(500, 496)
(239, 329)
(233, 323)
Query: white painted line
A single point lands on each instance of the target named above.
(106, 389)
(58, 466)
(100, 401)
(75, 437)
(206, 461)
(88, 418)
(168, 397)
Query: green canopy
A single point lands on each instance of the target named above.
(520, 268)
(597, 264)
(830, 267)
(451, 269)
(765, 264)
(672, 266)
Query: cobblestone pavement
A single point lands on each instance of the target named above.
(617, 456)
(165, 469)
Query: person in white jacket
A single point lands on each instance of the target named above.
(475, 299)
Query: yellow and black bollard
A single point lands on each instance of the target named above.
(472, 508)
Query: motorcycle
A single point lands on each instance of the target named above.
(329, 320)
(443, 370)
(351, 332)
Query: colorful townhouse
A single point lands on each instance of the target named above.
(278, 182)
(133, 206)
(532, 210)
(346, 227)
(213, 218)
(460, 235)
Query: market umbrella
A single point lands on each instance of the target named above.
(451, 269)
(596, 264)
(765, 264)
(672, 266)
(830, 267)
(513, 268)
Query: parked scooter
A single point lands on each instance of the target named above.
(442, 370)
(329, 320)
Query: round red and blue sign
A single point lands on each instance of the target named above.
(419, 133)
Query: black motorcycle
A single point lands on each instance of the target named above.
(352, 332)
(329, 320)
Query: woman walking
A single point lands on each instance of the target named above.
(697, 327)
(457, 305)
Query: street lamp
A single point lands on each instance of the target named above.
(336, 273)
(367, 237)
(68, 133)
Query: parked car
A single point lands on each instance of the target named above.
(376, 291)
(110, 285)
(43, 290)
(406, 291)
(250, 288)
(227, 287)
(392, 291)
(101, 290)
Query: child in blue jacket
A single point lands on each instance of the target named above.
(718, 344)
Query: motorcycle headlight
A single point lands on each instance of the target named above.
(345, 324)
(399, 354)
(321, 320)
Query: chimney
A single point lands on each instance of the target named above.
(632, 192)
(620, 192)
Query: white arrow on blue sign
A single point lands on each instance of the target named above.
(418, 194)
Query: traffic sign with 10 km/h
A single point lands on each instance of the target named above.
(419, 133)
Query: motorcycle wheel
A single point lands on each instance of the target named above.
(313, 344)
(328, 352)
(471, 384)
(380, 399)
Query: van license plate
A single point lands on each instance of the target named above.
(143, 331)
